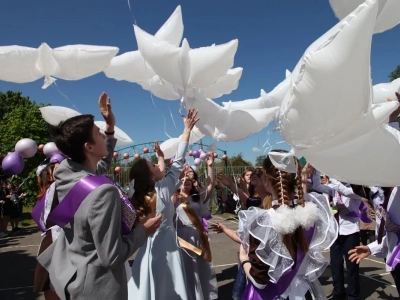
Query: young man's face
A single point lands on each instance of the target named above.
(99, 148)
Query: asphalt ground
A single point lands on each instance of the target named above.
(18, 259)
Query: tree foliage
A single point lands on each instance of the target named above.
(395, 74)
(21, 118)
(235, 161)
(260, 160)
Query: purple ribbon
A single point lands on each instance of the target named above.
(65, 211)
(38, 211)
(204, 221)
(394, 258)
(274, 290)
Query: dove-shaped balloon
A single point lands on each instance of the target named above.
(388, 12)
(328, 116)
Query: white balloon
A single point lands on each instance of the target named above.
(225, 124)
(50, 149)
(172, 29)
(387, 18)
(80, 61)
(197, 162)
(56, 114)
(202, 68)
(272, 99)
(383, 91)
(122, 138)
(26, 148)
(18, 64)
(132, 67)
(170, 146)
(331, 84)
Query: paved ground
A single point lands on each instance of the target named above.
(17, 263)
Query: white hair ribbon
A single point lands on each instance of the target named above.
(283, 161)
(131, 190)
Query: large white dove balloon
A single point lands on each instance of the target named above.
(132, 67)
(56, 114)
(170, 146)
(386, 91)
(388, 13)
(23, 64)
(18, 64)
(328, 116)
(184, 67)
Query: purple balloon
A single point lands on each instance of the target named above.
(26, 148)
(196, 154)
(57, 158)
(50, 149)
(13, 164)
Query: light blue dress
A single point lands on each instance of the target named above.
(158, 272)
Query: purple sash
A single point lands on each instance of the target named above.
(394, 259)
(65, 211)
(274, 290)
(344, 211)
(38, 211)
(205, 224)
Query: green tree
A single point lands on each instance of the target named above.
(395, 74)
(235, 161)
(260, 160)
(21, 118)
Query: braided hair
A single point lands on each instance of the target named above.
(288, 187)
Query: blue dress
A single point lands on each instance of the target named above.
(158, 271)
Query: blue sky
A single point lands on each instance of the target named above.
(272, 37)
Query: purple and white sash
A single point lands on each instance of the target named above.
(65, 211)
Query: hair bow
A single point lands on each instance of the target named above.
(131, 190)
(283, 161)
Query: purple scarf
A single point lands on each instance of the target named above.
(273, 290)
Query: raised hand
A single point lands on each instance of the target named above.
(105, 109)
(191, 119)
(158, 150)
(210, 160)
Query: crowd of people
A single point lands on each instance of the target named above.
(289, 215)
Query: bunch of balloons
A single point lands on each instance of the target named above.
(52, 152)
(13, 163)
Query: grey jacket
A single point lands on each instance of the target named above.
(87, 260)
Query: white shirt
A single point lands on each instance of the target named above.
(389, 242)
(347, 225)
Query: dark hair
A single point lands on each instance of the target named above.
(71, 135)
(285, 185)
(145, 197)
(45, 180)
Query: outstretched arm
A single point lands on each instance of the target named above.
(105, 109)
(170, 182)
(211, 176)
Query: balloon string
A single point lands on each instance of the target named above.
(172, 117)
(54, 85)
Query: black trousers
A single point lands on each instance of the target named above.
(396, 276)
(339, 253)
(367, 235)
